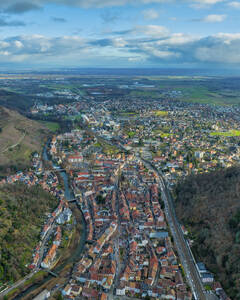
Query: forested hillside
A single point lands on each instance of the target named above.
(209, 206)
(15, 101)
(22, 211)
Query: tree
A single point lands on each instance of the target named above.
(60, 297)
(100, 199)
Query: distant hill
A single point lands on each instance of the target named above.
(21, 219)
(209, 206)
(19, 137)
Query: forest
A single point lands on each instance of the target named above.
(209, 206)
(22, 214)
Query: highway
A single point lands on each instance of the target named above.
(185, 255)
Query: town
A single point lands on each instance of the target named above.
(120, 160)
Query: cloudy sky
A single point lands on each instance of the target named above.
(120, 33)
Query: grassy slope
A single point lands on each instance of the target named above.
(206, 204)
(13, 127)
(21, 216)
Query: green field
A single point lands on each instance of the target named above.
(127, 113)
(97, 144)
(226, 133)
(131, 134)
(74, 88)
(145, 93)
(161, 113)
(52, 126)
(161, 133)
(200, 89)
(106, 148)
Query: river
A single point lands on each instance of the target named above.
(75, 256)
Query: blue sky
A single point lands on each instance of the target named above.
(120, 33)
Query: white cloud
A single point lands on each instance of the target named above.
(144, 47)
(22, 6)
(220, 53)
(18, 44)
(208, 2)
(160, 54)
(177, 39)
(214, 18)
(204, 3)
(234, 4)
(135, 59)
(151, 30)
(119, 42)
(150, 14)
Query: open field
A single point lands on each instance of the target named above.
(52, 126)
(161, 133)
(145, 93)
(226, 133)
(160, 113)
(74, 88)
(131, 134)
(128, 113)
(205, 90)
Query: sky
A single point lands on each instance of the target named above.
(120, 33)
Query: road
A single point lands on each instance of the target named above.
(16, 284)
(182, 246)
